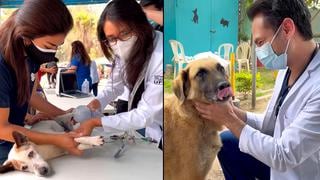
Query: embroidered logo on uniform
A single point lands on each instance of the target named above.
(33, 77)
(158, 79)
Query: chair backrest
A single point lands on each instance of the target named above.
(243, 51)
(177, 49)
(227, 49)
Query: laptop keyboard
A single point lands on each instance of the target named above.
(77, 94)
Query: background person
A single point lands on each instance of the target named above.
(80, 63)
(94, 77)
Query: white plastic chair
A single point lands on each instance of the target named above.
(178, 56)
(243, 55)
(227, 49)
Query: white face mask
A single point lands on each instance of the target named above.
(269, 58)
(123, 48)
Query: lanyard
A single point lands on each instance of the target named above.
(286, 88)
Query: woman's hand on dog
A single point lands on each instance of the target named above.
(86, 127)
(69, 110)
(32, 119)
(94, 105)
(66, 142)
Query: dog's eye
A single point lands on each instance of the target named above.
(201, 73)
(31, 154)
(24, 168)
(221, 68)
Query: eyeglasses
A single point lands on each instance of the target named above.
(123, 36)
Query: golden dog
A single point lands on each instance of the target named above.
(190, 142)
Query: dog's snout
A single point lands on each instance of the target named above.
(44, 171)
(223, 84)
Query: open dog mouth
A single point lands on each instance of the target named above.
(224, 94)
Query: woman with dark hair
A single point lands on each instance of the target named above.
(154, 11)
(128, 39)
(80, 63)
(29, 38)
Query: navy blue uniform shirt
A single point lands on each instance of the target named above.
(8, 99)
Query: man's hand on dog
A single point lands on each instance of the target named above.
(217, 112)
(221, 113)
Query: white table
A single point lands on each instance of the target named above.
(66, 103)
(140, 161)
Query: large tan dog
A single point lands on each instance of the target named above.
(192, 143)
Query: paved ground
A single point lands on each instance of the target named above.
(216, 172)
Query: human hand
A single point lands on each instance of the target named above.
(32, 119)
(219, 113)
(86, 127)
(66, 142)
(94, 105)
(52, 70)
(69, 110)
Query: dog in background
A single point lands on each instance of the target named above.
(192, 143)
(29, 157)
(52, 77)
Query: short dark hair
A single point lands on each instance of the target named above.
(275, 11)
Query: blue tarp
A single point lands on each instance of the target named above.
(17, 3)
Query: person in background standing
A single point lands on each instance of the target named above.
(94, 77)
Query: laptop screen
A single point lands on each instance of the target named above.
(69, 82)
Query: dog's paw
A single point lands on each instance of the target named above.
(91, 140)
(97, 140)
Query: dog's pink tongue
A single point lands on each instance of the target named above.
(224, 93)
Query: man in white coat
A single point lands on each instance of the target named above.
(284, 142)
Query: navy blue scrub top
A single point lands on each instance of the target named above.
(8, 99)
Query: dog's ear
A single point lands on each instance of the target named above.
(181, 85)
(19, 138)
(6, 167)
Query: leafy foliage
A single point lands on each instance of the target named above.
(244, 81)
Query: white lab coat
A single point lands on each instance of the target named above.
(149, 113)
(290, 143)
(125, 95)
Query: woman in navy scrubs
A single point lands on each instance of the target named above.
(80, 63)
(29, 38)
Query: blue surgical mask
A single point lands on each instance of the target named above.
(269, 58)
